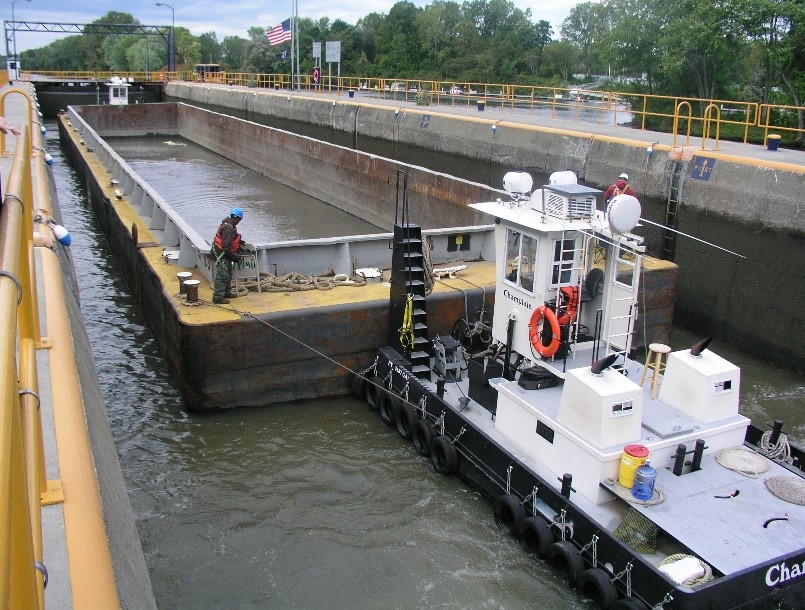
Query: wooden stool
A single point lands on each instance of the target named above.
(655, 362)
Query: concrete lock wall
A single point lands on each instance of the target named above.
(752, 208)
(750, 193)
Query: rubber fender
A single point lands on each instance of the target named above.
(406, 418)
(374, 389)
(423, 434)
(536, 535)
(628, 603)
(563, 556)
(443, 455)
(387, 406)
(509, 513)
(356, 385)
(595, 584)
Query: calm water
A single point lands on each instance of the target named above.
(307, 505)
(202, 187)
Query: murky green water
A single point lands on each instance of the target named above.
(305, 505)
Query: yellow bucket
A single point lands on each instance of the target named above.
(634, 456)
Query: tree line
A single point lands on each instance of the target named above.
(751, 50)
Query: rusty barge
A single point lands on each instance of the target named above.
(257, 351)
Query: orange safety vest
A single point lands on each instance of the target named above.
(235, 240)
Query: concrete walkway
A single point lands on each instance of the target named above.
(460, 107)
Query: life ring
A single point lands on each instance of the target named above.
(509, 513)
(563, 556)
(546, 351)
(423, 434)
(406, 418)
(596, 584)
(536, 535)
(443, 455)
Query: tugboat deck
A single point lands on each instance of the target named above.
(727, 529)
(726, 532)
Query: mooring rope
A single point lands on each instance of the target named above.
(781, 450)
(298, 282)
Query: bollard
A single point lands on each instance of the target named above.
(191, 289)
(772, 141)
(183, 276)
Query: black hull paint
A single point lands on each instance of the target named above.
(485, 464)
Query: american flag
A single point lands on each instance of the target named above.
(279, 33)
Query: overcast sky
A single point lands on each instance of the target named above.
(224, 17)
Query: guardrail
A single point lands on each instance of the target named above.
(22, 474)
(655, 112)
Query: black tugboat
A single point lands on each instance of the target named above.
(552, 419)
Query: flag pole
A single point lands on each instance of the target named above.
(296, 43)
(293, 38)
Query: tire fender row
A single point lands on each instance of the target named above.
(435, 430)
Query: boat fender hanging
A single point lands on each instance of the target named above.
(595, 583)
(546, 351)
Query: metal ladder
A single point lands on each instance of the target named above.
(675, 191)
(408, 278)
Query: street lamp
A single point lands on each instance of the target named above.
(171, 63)
(14, 39)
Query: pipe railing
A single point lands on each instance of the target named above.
(578, 103)
(21, 467)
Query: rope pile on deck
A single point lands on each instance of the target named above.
(298, 282)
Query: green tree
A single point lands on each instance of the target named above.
(146, 55)
(398, 42)
(585, 26)
(233, 53)
(209, 48)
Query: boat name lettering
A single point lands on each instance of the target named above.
(516, 299)
(780, 572)
(406, 375)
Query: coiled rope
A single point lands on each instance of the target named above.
(298, 282)
(780, 451)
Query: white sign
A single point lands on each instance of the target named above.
(333, 49)
(317, 49)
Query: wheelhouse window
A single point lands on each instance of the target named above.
(564, 262)
(521, 259)
(626, 269)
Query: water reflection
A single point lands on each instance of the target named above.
(202, 186)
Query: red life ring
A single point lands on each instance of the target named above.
(546, 351)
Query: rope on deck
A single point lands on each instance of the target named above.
(747, 462)
(298, 282)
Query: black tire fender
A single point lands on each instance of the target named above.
(374, 388)
(536, 535)
(628, 603)
(509, 513)
(356, 384)
(595, 584)
(406, 419)
(563, 556)
(443, 455)
(387, 407)
(423, 435)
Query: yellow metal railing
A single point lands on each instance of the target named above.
(24, 488)
(583, 105)
(21, 466)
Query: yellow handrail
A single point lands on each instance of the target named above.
(20, 526)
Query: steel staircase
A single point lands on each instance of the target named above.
(408, 279)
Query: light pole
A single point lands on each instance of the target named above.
(171, 63)
(14, 40)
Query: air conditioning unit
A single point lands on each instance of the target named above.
(570, 201)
